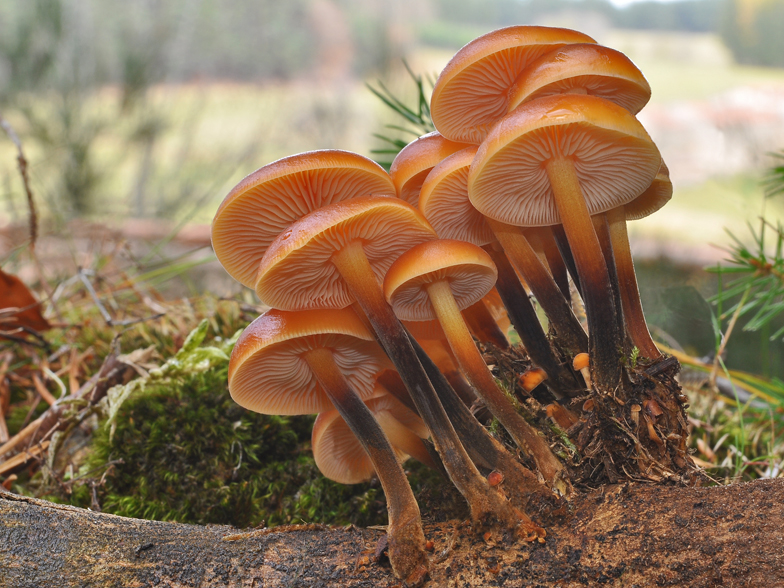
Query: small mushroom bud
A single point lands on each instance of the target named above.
(588, 405)
(653, 409)
(580, 364)
(635, 409)
(532, 378)
(562, 416)
(494, 478)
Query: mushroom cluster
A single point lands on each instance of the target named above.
(385, 290)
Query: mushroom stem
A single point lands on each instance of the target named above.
(475, 369)
(554, 260)
(485, 503)
(405, 439)
(568, 331)
(566, 255)
(406, 538)
(605, 242)
(484, 326)
(483, 448)
(627, 282)
(604, 335)
(560, 380)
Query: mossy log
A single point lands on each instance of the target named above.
(623, 535)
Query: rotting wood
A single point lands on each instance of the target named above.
(626, 535)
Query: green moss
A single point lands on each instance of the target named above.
(174, 446)
(186, 452)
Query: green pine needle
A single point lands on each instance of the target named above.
(417, 117)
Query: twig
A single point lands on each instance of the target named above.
(280, 529)
(112, 372)
(22, 161)
(43, 391)
(12, 337)
(105, 313)
(33, 215)
(42, 342)
(5, 396)
(23, 458)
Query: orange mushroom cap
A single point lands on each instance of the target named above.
(470, 95)
(580, 361)
(657, 195)
(415, 160)
(338, 453)
(267, 201)
(443, 199)
(614, 158)
(268, 375)
(470, 272)
(424, 331)
(296, 272)
(587, 68)
(532, 378)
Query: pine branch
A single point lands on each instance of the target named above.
(760, 281)
(774, 179)
(417, 117)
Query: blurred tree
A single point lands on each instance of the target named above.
(684, 15)
(752, 29)
(45, 51)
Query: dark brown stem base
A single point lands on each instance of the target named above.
(406, 538)
(561, 381)
(521, 484)
(602, 229)
(488, 508)
(569, 334)
(640, 432)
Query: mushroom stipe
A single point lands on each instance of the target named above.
(406, 539)
(549, 187)
(488, 508)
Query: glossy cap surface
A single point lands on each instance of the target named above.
(415, 160)
(297, 273)
(338, 453)
(444, 201)
(471, 93)
(267, 372)
(468, 269)
(614, 158)
(655, 197)
(270, 199)
(583, 68)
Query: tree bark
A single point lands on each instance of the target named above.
(624, 535)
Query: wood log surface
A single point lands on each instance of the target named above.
(626, 535)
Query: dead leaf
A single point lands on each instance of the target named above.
(18, 306)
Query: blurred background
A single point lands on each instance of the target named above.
(138, 117)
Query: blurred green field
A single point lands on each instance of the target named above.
(213, 134)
